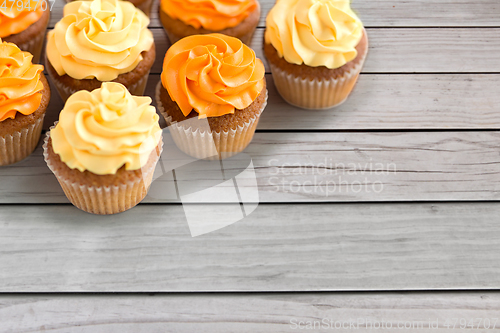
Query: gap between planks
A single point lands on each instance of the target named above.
(305, 167)
(340, 248)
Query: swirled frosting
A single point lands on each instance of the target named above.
(214, 15)
(213, 74)
(16, 19)
(19, 82)
(314, 32)
(98, 39)
(102, 130)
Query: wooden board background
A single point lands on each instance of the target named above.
(427, 101)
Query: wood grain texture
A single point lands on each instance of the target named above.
(321, 167)
(386, 13)
(429, 50)
(409, 50)
(277, 248)
(381, 102)
(245, 313)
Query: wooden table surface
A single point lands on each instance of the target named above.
(422, 124)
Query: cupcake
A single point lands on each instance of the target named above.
(211, 94)
(24, 23)
(144, 5)
(100, 41)
(24, 96)
(104, 148)
(316, 49)
(237, 18)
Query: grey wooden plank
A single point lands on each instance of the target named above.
(429, 50)
(386, 13)
(251, 313)
(410, 50)
(277, 248)
(319, 167)
(381, 102)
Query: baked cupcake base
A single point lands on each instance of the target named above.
(228, 134)
(102, 194)
(135, 81)
(176, 29)
(315, 88)
(19, 136)
(32, 39)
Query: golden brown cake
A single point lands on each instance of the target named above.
(236, 18)
(23, 111)
(212, 115)
(135, 81)
(104, 148)
(123, 51)
(316, 60)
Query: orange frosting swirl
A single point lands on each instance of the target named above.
(213, 74)
(19, 82)
(16, 19)
(214, 15)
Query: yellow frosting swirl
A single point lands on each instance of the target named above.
(213, 15)
(102, 130)
(314, 32)
(20, 83)
(213, 74)
(98, 39)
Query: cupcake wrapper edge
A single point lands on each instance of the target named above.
(103, 200)
(210, 145)
(316, 94)
(18, 146)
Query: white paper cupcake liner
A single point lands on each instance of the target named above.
(18, 146)
(103, 200)
(136, 89)
(319, 93)
(204, 144)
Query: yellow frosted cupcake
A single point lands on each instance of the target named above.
(24, 97)
(211, 94)
(104, 148)
(100, 41)
(316, 49)
(24, 23)
(236, 18)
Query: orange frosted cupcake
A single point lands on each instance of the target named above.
(211, 94)
(24, 23)
(24, 96)
(316, 49)
(104, 148)
(100, 41)
(236, 18)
